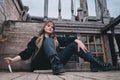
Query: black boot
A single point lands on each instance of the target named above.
(95, 64)
(57, 66)
(94, 67)
(99, 65)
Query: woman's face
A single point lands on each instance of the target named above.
(49, 28)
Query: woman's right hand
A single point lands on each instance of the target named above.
(8, 60)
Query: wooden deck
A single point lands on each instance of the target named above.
(109, 75)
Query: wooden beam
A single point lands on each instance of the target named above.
(111, 25)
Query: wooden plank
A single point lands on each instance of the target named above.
(54, 77)
(109, 75)
(70, 76)
(10, 76)
(31, 76)
(42, 77)
(43, 71)
(86, 76)
(98, 76)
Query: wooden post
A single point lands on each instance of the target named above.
(101, 10)
(72, 11)
(80, 14)
(59, 11)
(45, 9)
(84, 6)
(24, 16)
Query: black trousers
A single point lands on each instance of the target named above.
(66, 53)
(71, 49)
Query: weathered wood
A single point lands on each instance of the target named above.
(11, 76)
(28, 77)
(12, 10)
(69, 76)
(110, 75)
(43, 71)
(42, 77)
(53, 77)
(111, 25)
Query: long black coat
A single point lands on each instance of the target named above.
(41, 61)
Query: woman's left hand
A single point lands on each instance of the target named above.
(81, 46)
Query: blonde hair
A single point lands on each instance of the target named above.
(41, 34)
(42, 31)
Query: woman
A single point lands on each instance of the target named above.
(43, 50)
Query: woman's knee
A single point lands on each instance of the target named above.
(48, 41)
(73, 44)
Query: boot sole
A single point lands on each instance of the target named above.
(59, 72)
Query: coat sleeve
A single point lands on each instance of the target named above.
(63, 41)
(27, 53)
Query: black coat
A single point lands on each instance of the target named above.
(41, 61)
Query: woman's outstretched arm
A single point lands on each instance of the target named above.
(25, 54)
(10, 60)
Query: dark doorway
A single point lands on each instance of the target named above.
(112, 49)
(118, 41)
